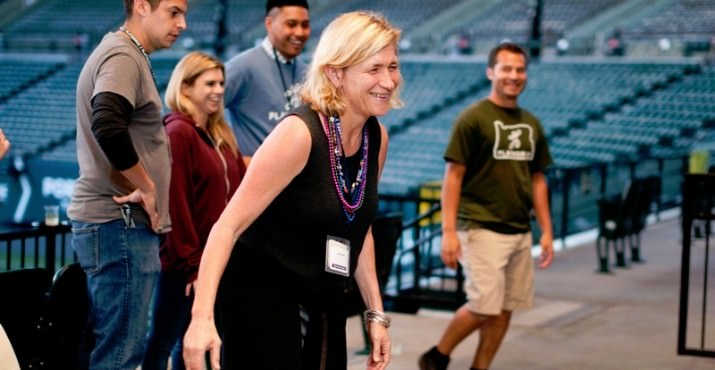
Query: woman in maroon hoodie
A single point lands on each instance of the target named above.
(206, 170)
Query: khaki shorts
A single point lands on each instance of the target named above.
(498, 269)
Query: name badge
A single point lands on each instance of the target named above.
(337, 256)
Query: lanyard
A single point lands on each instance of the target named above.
(280, 71)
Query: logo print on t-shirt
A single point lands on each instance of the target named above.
(292, 100)
(513, 142)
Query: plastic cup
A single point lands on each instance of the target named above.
(52, 215)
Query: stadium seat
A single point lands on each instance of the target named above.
(622, 218)
(22, 312)
(67, 314)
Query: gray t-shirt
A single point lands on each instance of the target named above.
(256, 96)
(117, 66)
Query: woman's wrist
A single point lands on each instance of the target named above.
(201, 314)
(376, 316)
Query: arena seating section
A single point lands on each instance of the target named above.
(594, 109)
(510, 19)
(55, 24)
(684, 19)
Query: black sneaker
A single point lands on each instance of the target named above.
(433, 360)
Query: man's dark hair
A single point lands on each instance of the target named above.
(270, 4)
(508, 46)
(129, 6)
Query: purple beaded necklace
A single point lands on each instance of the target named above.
(356, 190)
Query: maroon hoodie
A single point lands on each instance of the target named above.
(202, 182)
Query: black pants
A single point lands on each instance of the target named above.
(260, 326)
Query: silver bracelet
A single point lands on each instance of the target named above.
(376, 316)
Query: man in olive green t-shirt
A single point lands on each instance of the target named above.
(494, 176)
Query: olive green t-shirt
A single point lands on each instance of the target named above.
(501, 148)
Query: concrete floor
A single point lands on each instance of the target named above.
(582, 319)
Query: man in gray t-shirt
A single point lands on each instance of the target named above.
(261, 83)
(120, 201)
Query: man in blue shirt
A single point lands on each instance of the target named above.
(261, 82)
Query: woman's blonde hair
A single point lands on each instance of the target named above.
(189, 68)
(348, 40)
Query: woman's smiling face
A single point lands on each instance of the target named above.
(369, 85)
(207, 91)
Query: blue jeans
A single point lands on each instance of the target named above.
(122, 264)
(170, 319)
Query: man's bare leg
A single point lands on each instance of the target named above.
(491, 334)
(463, 323)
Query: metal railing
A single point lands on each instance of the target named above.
(698, 205)
(420, 278)
(35, 246)
(417, 267)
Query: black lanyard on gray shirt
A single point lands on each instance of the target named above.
(280, 70)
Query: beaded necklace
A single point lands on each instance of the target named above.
(139, 46)
(356, 190)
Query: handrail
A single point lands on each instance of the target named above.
(698, 204)
(42, 236)
(414, 249)
(422, 217)
(421, 242)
